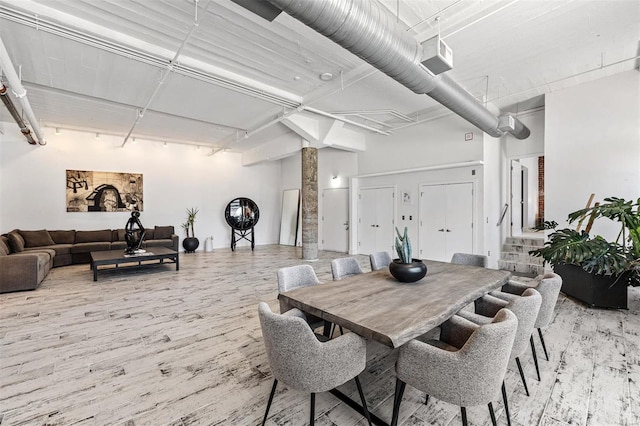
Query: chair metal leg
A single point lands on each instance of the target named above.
(493, 415)
(327, 330)
(506, 404)
(273, 391)
(544, 347)
(535, 356)
(524, 381)
(364, 401)
(426, 399)
(341, 330)
(464, 416)
(397, 399)
(312, 411)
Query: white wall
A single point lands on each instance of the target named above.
(592, 145)
(331, 162)
(411, 182)
(32, 184)
(440, 141)
(534, 144)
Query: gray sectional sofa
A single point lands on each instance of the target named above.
(26, 257)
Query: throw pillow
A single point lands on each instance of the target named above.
(163, 232)
(16, 242)
(36, 238)
(93, 236)
(63, 237)
(5, 249)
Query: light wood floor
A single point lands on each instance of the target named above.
(160, 347)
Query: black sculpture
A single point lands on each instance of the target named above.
(242, 215)
(134, 236)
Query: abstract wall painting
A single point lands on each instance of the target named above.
(91, 191)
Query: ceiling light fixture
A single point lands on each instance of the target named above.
(165, 145)
(326, 76)
(97, 135)
(57, 130)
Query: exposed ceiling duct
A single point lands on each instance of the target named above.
(6, 100)
(14, 83)
(368, 30)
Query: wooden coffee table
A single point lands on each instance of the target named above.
(118, 257)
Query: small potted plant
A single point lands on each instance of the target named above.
(405, 268)
(594, 270)
(190, 243)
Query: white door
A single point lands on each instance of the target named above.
(375, 220)
(446, 220)
(335, 219)
(385, 227)
(459, 219)
(432, 239)
(516, 198)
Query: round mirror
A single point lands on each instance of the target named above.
(242, 214)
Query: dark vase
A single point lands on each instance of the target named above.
(598, 291)
(190, 244)
(408, 272)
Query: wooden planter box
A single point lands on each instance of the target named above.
(597, 291)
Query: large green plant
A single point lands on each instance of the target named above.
(595, 254)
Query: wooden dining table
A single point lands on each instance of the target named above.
(378, 307)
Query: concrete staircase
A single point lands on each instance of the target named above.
(515, 256)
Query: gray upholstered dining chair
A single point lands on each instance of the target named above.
(299, 360)
(293, 277)
(470, 259)
(525, 307)
(345, 267)
(379, 260)
(465, 367)
(548, 285)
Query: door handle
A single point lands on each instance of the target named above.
(373, 226)
(448, 230)
(441, 230)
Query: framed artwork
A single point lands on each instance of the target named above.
(407, 198)
(91, 191)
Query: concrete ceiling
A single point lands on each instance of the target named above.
(96, 64)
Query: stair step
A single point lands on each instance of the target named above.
(526, 241)
(526, 268)
(521, 258)
(518, 248)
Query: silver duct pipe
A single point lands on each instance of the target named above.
(20, 92)
(369, 31)
(6, 100)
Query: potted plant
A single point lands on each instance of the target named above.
(405, 268)
(190, 243)
(594, 270)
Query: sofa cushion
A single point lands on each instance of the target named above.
(57, 248)
(5, 249)
(121, 233)
(149, 234)
(88, 247)
(163, 232)
(36, 238)
(168, 243)
(16, 241)
(63, 237)
(93, 236)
